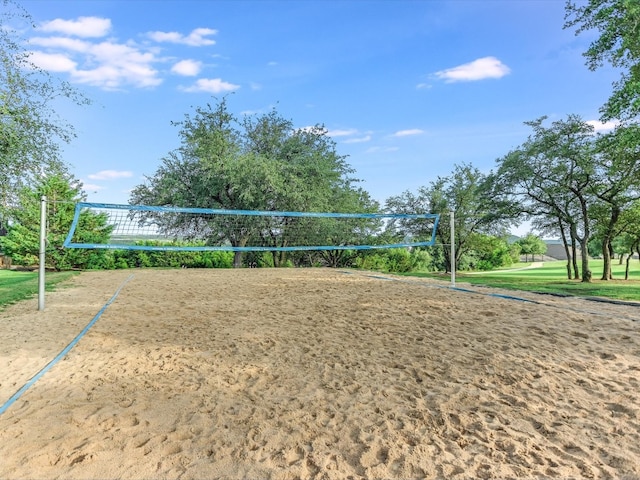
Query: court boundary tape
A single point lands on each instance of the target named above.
(508, 297)
(64, 352)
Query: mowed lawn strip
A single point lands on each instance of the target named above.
(17, 285)
(552, 278)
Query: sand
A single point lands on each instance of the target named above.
(316, 373)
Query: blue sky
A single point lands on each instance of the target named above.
(407, 89)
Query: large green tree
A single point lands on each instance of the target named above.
(532, 245)
(254, 163)
(618, 25)
(616, 186)
(355, 231)
(630, 237)
(467, 192)
(575, 183)
(22, 242)
(30, 129)
(552, 173)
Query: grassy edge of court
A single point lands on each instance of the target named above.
(551, 278)
(16, 285)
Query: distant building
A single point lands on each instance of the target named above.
(555, 248)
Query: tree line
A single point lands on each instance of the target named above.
(567, 180)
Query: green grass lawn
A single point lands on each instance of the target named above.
(16, 286)
(552, 278)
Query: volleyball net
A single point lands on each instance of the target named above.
(140, 227)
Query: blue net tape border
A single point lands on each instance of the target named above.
(68, 243)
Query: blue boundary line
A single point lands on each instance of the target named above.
(459, 289)
(498, 295)
(66, 350)
(512, 297)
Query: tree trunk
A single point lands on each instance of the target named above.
(574, 252)
(237, 256)
(635, 247)
(606, 258)
(586, 273)
(626, 269)
(584, 242)
(567, 251)
(237, 259)
(574, 259)
(332, 257)
(607, 247)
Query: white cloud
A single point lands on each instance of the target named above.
(342, 133)
(352, 132)
(119, 64)
(212, 85)
(366, 138)
(111, 64)
(382, 150)
(603, 127)
(82, 27)
(188, 68)
(65, 43)
(423, 86)
(407, 133)
(197, 38)
(107, 64)
(170, 37)
(90, 187)
(54, 62)
(487, 67)
(110, 175)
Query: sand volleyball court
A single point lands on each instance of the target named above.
(316, 373)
